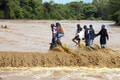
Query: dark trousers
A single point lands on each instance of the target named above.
(87, 42)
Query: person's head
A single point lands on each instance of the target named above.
(91, 26)
(78, 26)
(58, 24)
(103, 27)
(52, 25)
(85, 26)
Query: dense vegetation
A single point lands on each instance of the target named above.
(115, 10)
(35, 9)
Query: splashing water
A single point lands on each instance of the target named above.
(61, 73)
(65, 56)
(81, 64)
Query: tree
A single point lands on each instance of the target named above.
(1, 9)
(47, 10)
(115, 10)
(75, 10)
(32, 9)
(89, 11)
(35, 9)
(11, 8)
(102, 8)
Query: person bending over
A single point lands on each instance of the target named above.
(60, 33)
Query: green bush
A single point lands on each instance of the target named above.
(35, 9)
(1, 14)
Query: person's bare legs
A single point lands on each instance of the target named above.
(74, 41)
(79, 43)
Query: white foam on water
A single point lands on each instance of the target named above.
(63, 73)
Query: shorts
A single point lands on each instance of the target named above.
(54, 39)
(77, 38)
(103, 45)
(60, 35)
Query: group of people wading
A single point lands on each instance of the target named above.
(85, 33)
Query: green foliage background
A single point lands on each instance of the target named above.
(115, 10)
(35, 9)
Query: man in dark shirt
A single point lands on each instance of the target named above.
(103, 36)
(86, 35)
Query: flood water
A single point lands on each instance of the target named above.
(64, 73)
(35, 36)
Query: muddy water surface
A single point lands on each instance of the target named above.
(64, 73)
(35, 35)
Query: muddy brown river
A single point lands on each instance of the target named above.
(35, 36)
(64, 73)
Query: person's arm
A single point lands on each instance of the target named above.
(93, 34)
(85, 34)
(98, 34)
(107, 35)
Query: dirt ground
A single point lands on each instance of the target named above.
(35, 35)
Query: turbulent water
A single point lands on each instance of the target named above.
(60, 73)
(33, 61)
(35, 35)
(65, 56)
(94, 65)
